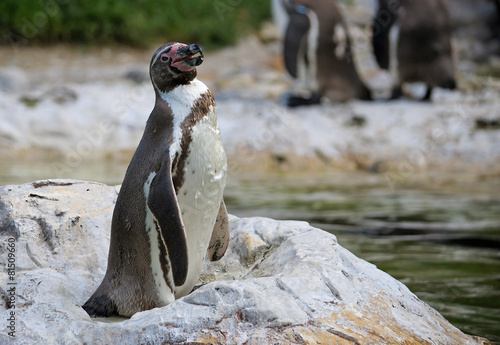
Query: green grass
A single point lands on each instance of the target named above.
(213, 23)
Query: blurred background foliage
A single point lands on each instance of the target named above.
(139, 23)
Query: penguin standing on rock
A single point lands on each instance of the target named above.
(412, 39)
(317, 51)
(169, 213)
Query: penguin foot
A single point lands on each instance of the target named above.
(365, 94)
(428, 94)
(397, 93)
(101, 306)
(297, 101)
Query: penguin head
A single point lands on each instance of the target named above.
(174, 64)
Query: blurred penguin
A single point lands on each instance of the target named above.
(412, 39)
(317, 51)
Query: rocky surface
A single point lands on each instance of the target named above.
(280, 282)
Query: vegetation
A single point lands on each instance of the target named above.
(138, 23)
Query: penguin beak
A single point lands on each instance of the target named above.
(188, 57)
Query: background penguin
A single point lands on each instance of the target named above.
(169, 210)
(317, 50)
(412, 39)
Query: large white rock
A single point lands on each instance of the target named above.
(280, 282)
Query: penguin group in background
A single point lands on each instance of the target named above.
(169, 213)
(412, 39)
(317, 51)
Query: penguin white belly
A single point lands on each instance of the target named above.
(201, 194)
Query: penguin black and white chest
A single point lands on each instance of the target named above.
(170, 213)
(412, 39)
(317, 50)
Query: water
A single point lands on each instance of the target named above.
(439, 236)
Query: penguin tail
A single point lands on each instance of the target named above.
(100, 306)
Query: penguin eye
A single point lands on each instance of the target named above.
(164, 58)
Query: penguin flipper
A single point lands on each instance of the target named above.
(162, 201)
(381, 27)
(220, 235)
(298, 26)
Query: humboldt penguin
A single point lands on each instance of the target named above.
(412, 39)
(317, 51)
(169, 213)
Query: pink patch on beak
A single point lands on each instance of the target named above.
(179, 64)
